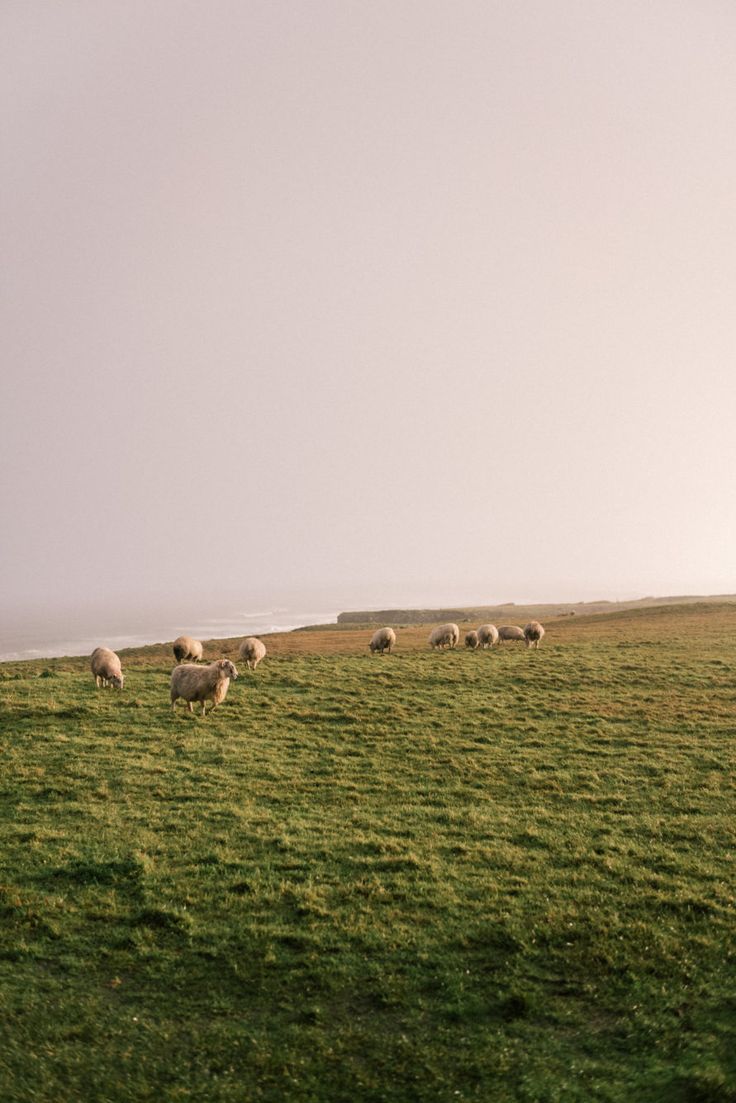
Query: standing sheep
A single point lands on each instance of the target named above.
(510, 632)
(383, 640)
(106, 668)
(201, 683)
(471, 640)
(187, 650)
(533, 633)
(446, 635)
(487, 635)
(252, 650)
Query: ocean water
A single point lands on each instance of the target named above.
(36, 641)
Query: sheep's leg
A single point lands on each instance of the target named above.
(191, 706)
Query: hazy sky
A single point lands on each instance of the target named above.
(367, 302)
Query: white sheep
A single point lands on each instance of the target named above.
(252, 650)
(510, 632)
(533, 633)
(383, 640)
(201, 683)
(487, 635)
(445, 635)
(471, 640)
(187, 650)
(106, 668)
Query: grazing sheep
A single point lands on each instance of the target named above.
(510, 632)
(487, 635)
(201, 683)
(106, 668)
(533, 633)
(446, 635)
(383, 640)
(252, 650)
(471, 640)
(187, 650)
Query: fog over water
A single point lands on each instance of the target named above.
(29, 639)
(310, 307)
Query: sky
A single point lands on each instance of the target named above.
(339, 303)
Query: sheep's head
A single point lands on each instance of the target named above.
(117, 680)
(227, 669)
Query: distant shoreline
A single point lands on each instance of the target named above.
(16, 646)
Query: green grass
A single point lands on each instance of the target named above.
(490, 876)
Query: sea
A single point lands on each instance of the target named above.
(36, 640)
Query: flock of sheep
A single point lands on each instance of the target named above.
(448, 636)
(193, 683)
(190, 682)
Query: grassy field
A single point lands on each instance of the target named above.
(490, 876)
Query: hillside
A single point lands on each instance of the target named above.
(513, 613)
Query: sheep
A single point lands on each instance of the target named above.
(106, 668)
(487, 635)
(533, 633)
(383, 640)
(201, 683)
(510, 632)
(252, 650)
(471, 640)
(446, 635)
(187, 649)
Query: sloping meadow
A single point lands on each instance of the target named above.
(499, 875)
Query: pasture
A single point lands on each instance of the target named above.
(490, 876)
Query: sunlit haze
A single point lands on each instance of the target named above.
(336, 304)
